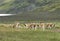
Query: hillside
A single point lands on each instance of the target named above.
(31, 9)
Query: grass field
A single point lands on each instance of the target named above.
(13, 34)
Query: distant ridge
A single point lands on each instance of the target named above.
(30, 9)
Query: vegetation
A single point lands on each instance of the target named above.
(13, 34)
(23, 34)
(30, 9)
(16, 6)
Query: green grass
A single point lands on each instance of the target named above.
(22, 34)
(13, 34)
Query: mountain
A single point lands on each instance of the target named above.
(31, 9)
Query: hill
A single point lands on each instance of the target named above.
(31, 9)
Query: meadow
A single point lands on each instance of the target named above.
(23, 34)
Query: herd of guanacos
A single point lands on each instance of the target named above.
(32, 25)
(35, 25)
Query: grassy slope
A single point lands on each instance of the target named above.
(50, 10)
(13, 6)
(6, 34)
(13, 34)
